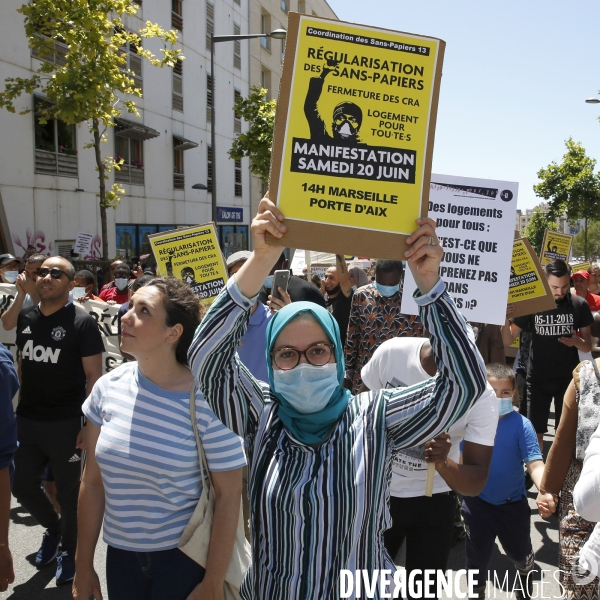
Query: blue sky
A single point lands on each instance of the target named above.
(516, 74)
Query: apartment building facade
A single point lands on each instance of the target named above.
(48, 181)
(266, 55)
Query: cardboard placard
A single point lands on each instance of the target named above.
(475, 224)
(584, 266)
(528, 288)
(191, 254)
(556, 246)
(354, 135)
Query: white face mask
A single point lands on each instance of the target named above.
(78, 292)
(121, 283)
(10, 276)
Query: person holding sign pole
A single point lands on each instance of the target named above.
(554, 346)
(319, 457)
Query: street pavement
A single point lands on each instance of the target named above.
(34, 584)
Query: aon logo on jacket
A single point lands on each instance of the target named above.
(39, 353)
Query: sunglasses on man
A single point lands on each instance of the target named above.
(54, 273)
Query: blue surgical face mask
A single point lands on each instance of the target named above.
(307, 388)
(11, 276)
(387, 290)
(353, 288)
(269, 282)
(505, 406)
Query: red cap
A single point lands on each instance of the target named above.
(583, 273)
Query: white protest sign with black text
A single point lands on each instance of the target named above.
(83, 243)
(476, 222)
(104, 314)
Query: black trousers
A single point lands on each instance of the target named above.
(510, 523)
(539, 398)
(427, 524)
(43, 443)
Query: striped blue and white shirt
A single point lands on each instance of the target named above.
(148, 459)
(317, 510)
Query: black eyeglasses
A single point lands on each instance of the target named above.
(317, 355)
(54, 273)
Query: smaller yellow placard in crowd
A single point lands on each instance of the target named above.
(556, 246)
(528, 287)
(191, 254)
(584, 266)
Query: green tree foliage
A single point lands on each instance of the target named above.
(257, 142)
(536, 228)
(571, 186)
(592, 250)
(93, 84)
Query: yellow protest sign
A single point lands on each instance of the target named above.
(191, 254)
(556, 246)
(354, 135)
(528, 287)
(585, 266)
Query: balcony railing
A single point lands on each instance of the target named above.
(52, 163)
(57, 57)
(176, 21)
(129, 174)
(178, 181)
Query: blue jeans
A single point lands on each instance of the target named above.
(160, 575)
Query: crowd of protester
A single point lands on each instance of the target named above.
(319, 409)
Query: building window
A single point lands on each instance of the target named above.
(131, 151)
(238, 177)
(178, 86)
(301, 6)
(237, 48)
(56, 53)
(265, 27)
(209, 98)
(132, 239)
(237, 118)
(133, 64)
(210, 23)
(55, 145)
(178, 176)
(177, 14)
(265, 81)
(209, 170)
(180, 145)
(285, 5)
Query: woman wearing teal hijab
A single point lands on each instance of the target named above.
(319, 458)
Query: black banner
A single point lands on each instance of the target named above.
(375, 163)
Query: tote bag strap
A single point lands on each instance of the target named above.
(204, 472)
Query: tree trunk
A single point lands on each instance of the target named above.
(585, 237)
(102, 194)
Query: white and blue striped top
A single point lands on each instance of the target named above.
(148, 458)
